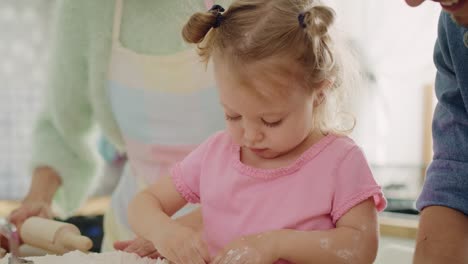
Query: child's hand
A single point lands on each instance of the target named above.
(253, 249)
(139, 246)
(182, 245)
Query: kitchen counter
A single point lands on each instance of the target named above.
(398, 231)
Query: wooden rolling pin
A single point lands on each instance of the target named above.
(53, 236)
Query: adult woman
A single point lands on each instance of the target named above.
(120, 65)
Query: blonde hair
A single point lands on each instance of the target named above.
(250, 31)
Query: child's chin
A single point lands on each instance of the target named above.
(270, 155)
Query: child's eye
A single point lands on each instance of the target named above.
(272, 124)
(232, 118)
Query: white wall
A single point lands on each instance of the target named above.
(23, 51)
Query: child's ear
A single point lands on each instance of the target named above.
(319, 97)
(321, 92)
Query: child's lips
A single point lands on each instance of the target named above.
(258, 150)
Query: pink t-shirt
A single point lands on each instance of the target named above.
(312, 193)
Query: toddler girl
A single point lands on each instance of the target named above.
(283, 182)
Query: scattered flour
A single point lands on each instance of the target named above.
(356, 237)
(344, 254)
(324, 243)
(77, 257)
(237, 254)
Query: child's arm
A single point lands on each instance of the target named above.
(153, 207)
(193, 220)
(354, 240)
(149, 216)
(145, 248)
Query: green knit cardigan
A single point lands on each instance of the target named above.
(76, 102)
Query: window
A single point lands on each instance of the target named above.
(396, 43)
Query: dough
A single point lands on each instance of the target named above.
(77, 257)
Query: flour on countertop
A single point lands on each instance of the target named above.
(77, 257)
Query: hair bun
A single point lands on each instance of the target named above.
(317, 20)
(199, 24)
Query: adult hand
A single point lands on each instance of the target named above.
(253, 249)
(140, 246)
(28, 209)
(182, 245)
(45, 182)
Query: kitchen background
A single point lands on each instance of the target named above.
(394, 43)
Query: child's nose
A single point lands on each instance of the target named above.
(252, 135)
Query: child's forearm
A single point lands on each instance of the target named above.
(339, 245)
(193, 220)
(143, 212)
